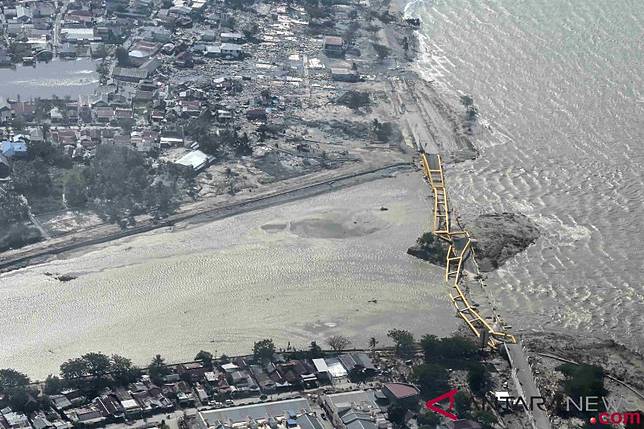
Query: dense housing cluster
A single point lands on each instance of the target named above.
(216, 97)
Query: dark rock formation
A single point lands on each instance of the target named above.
(430, 248)
(500, 236)
(496, 238)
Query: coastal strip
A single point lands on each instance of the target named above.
(216, 212)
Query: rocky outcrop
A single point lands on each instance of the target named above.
(496, 238)
(430, 248)
(500, 236)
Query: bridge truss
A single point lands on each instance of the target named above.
(490, 330)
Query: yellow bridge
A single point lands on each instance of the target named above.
(460, 249)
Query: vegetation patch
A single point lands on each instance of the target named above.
(430, 248)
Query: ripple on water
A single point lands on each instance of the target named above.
(557, 83)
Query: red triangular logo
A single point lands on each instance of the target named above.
(430, 404)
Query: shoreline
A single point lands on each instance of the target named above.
(426, 120)
(38, 255)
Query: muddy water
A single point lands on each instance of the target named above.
(56, 78)
(331, 264)
(559, 86)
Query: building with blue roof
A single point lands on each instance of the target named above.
(13, 149)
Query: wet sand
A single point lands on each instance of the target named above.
(298, 272)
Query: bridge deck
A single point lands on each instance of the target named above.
(459, 251)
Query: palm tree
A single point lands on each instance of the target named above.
(372, 345)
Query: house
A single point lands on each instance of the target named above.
(129, 74)
(67, 50)
(333, 45)
(143, 51)
(183, 59)
(355, 410)
(231, 37)
(60, 402)
(55, 114)
(13, 420)
(24, 14)
(40, 421)
(285, 414)
(78, 35)
(265, 382)
(151, 65)
(197, 160)
(131, 408)
(86, 416)
(5, 112)
(104, 114)
(195, 370)
(208, 36)
(109, 406)
(231, 50)
(402, 394)
(358, 363)
(75, 396)
(157, 34)
(190, 108)
(64, 136)
(79, 17)
(330, 369)
(343, 74)
(297, 373)
(23, 110)
(256, 114)
(13, 149)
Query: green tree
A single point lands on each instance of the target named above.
(14, 208)
(53, 385)
(447, 349)
(485, 418)
(31, 177)
(75, 186)
(103, 71)
(74, 370)
(14, 387)
(264, 350)
(23, 400)
(428, 420)
(478, 378)
(205, 358)
(462, 405)
(122, 56)
(315, 351)
(98, 365)
(433, 379)
(119, 180)
(161, 200)
(403, 341)
(50, 154)
(373, 343)
(122, 370)
(396, 415)
(10, 378)
(158, 369)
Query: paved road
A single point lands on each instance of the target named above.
(527, 384)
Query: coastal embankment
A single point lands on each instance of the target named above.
(208, 211)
